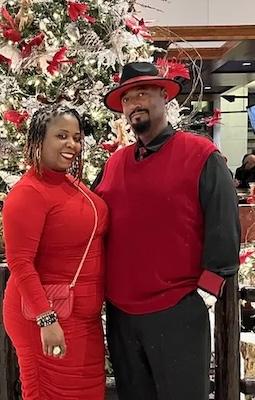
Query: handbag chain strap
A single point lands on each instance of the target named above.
(91, 237)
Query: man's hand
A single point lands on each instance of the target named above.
(208, 298)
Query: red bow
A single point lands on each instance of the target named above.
(15, 117)
(214, 119)
(111, 147)
(9, 28)
(172, 69)
(5, 60)
(137, 26)
(35, 41)
(58, 59)
(76, 10)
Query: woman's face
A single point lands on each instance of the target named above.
(62, 142)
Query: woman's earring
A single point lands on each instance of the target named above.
(38, 154)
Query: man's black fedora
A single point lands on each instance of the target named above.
(136, 74)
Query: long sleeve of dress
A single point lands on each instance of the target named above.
(24, 215)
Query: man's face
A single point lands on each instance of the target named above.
(249, 161)
(144, 107)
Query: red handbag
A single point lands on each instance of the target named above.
(60, 296)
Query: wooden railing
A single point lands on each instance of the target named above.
(227, 343)
(9, 373)
(227, 369)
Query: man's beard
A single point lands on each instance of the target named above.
(141, 127)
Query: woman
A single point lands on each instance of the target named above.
(48, 223)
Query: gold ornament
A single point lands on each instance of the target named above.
(121, 128)
(24, 17)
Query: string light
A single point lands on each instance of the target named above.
(99, 51)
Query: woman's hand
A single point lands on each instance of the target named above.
(52, 336)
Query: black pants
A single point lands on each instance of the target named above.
(163, 355)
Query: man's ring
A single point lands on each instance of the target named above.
(56, 350)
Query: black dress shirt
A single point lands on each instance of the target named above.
(245, 176)
(219, 204)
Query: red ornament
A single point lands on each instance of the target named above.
(12, 35)
(15, 117)
(58, 59)
(247, 254)
(9, 28)
(138, 26)
(5, 60)
(214, 119)
(172, 69)
(76, 10)
(110, 147)
(116, 77)
(34, 42)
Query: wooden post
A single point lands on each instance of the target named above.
(9, 382)
(227, 339)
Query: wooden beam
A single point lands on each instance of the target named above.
(217, 32)
(206, 53)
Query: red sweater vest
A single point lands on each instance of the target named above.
(155, 240)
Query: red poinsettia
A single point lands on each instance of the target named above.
(5, 60)
(34, 42)
(138, 26)
(76, 10)
(116, 77)
(111, 147)
(214, 119)
(9, 27)
(15, 117)
(58, 59)
(172, 69)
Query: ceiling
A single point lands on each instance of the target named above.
(228, 54)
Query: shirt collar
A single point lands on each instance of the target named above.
(154, 145)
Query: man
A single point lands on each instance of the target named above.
(246, 173)
(174, 228)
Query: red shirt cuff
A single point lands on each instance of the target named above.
(211, 283)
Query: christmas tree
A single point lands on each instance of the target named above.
(72, 52)
(66, 51)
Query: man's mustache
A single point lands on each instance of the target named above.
(137, 110)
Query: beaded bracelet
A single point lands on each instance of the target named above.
(47, 319)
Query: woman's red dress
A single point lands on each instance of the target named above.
(47, 225)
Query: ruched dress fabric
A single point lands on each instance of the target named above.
(47, 226)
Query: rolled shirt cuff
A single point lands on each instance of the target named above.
(211, 283)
